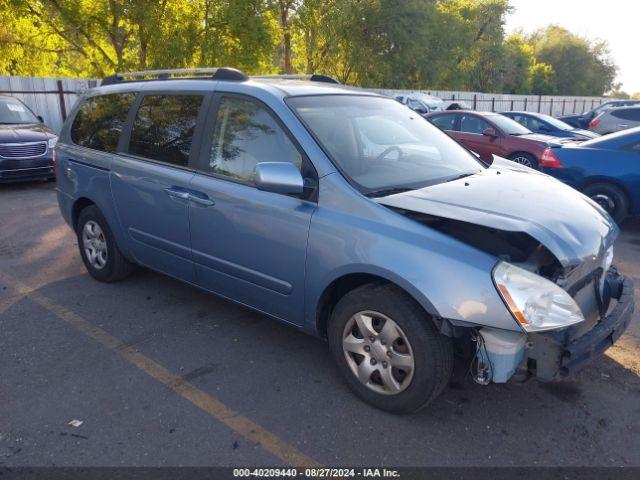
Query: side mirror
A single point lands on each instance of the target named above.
(39, 117)
(278, 177)
(490, 132)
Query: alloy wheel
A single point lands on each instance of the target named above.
(523, 161)
(605, 201)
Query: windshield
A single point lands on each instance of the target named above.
(507, 125)
(381, 146)
(559, 124)
(14, 111)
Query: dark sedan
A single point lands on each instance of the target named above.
(26, 144)
(607, 169)
(547, 125)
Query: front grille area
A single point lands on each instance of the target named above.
(23, 150)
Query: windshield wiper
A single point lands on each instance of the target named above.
(458, 177)
(388, 191)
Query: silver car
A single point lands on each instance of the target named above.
(616, 119)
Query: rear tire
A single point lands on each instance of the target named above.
(611, 198)
(524, 158)
(98, 249)
(399, 376)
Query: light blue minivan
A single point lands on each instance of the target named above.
(347, 215)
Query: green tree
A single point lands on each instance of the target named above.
(581, 67)
(542, 79)
(518, 62)
(418, 44)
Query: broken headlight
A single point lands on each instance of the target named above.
(535, 302)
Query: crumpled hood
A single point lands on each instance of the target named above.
(511, 197)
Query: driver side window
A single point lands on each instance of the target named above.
(164, 126)
(246, 134)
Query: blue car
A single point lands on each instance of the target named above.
(606, 169)
(547, 125)
(346, 215)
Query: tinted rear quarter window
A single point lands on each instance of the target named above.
(627, 114)
(163, 128)
(99, 121)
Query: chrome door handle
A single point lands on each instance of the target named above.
(177, 193)
(202, 201)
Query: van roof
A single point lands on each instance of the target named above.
(222, 79)
(277, 87)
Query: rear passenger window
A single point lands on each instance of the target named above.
(163, 128)
(99, 121)
(245, 134)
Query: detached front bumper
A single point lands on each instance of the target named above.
(550, 357)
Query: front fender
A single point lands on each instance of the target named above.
(449, 278)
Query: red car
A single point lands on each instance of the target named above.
(490, 134)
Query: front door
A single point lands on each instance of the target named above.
(250, 245)
(150, 178)
(470, 135)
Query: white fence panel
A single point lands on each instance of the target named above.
(500, 102)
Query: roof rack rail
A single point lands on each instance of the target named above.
(217, 73)
(301, 76)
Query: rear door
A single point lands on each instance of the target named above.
(150, 179)
(250, 245)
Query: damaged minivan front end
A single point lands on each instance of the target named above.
(553, 269)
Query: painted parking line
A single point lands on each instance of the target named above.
(207, 403)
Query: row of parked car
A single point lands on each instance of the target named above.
(606, 118)
(606, 168)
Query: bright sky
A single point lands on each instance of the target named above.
(613, 20)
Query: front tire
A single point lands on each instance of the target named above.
(388, 349)
(611, 198)
(100, 254)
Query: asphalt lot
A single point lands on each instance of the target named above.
(161, 373)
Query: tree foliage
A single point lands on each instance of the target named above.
(434, 44)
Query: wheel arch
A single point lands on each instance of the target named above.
(346, 282)
(79, 205)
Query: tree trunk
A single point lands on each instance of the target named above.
(286, 40)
